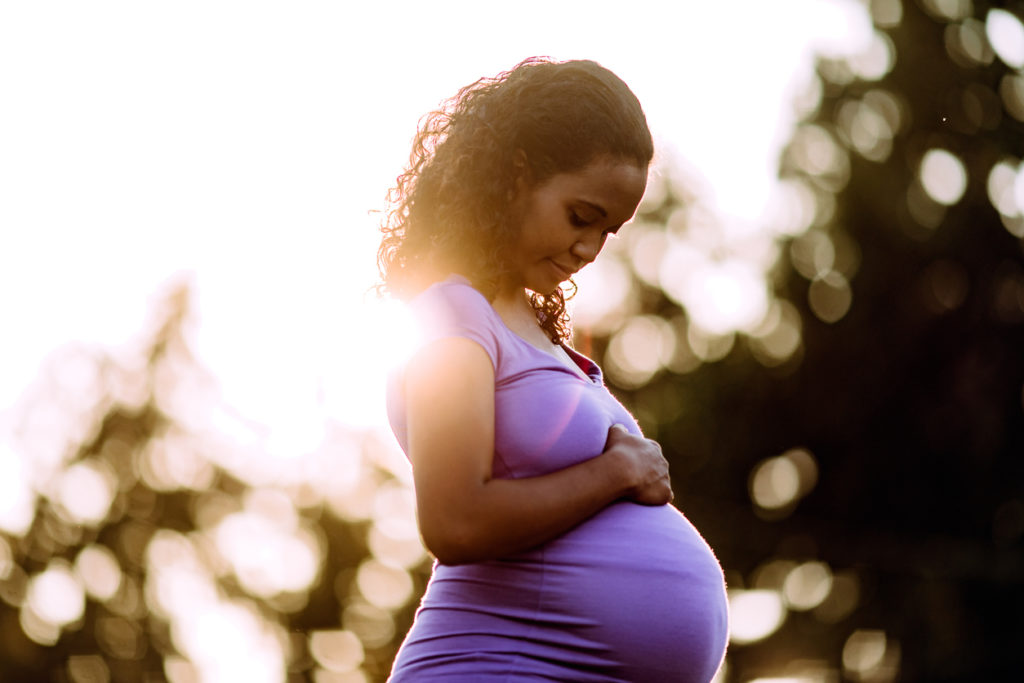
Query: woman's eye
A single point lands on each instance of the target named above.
(577, 220)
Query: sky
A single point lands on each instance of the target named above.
(245, 146)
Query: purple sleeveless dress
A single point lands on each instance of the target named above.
(633, 594)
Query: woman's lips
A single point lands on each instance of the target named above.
(564, 272)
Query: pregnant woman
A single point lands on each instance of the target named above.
(559, 557)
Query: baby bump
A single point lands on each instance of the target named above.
(649, 586)
(633, 592)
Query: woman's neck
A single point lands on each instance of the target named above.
(519, 315)
(521, 318)
(514, 304)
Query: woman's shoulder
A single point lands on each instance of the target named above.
(453, 285)
(452, 296)
(453, 307)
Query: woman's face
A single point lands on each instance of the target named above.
(567, 218)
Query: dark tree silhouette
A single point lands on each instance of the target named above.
(906, 388)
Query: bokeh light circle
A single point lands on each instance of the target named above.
(56, 595)
(1006, 35)
(754, 615)
(943, 176)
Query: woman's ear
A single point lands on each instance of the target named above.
(522, 171)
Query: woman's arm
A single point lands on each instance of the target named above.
(465, 515)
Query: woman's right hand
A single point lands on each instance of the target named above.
(644, 466)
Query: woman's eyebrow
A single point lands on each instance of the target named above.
(596, 207)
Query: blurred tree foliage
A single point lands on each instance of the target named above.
(85, 594)
(907, 385)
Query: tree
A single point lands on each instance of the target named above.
(858, 453)
(161, 545)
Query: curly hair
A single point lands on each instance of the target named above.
(449, 212)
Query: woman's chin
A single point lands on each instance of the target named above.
(544, 289)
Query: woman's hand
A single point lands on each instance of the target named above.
(643, 464)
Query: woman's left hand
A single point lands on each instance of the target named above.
(645, 468)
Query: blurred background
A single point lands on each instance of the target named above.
(818, 311)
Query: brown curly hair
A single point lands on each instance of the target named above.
(449, 211)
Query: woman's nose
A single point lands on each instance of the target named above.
(588, 248)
